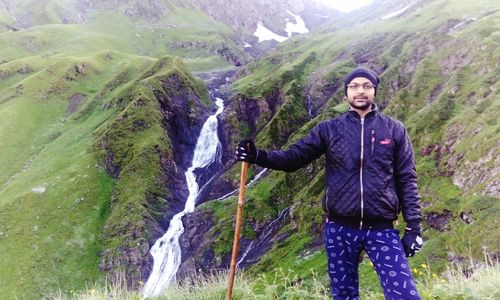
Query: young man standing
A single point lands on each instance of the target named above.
(370, 179)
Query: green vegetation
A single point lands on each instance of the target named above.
(54, 196)
(281, 284)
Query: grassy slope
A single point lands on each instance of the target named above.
(55, 232)
(115, 31)
(393, 43)
(45, 146)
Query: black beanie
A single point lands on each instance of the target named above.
(362, 72)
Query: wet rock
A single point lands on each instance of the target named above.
(438, 220)
(197, 225)
(466, 217)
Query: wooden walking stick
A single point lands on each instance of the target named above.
(236, 239)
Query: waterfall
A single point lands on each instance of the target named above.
(309, 106)
(166, 251)
(264, 237)
(257, 177)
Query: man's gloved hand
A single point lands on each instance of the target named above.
(412, 242)
(246, 151)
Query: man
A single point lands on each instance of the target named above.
(370, 178)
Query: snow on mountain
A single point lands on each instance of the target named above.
(396, 13)
(264, 34)
(298, 27)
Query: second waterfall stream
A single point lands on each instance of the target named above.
(166, 251)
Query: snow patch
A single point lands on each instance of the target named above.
(396, 13)
(298, 27)
(246, 45)
(321, 16)
(264, 34)
(461, 24)
(11, 15)
(39, 190)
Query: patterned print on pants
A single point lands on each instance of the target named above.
(383, 246)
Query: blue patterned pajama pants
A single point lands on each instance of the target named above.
(383, 246)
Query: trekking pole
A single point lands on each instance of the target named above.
(236, 239)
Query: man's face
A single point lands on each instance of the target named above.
(360, 93)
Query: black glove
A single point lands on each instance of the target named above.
(246, 151)
(412, 242)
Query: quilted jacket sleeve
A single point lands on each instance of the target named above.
(406, 179)
(309, 148)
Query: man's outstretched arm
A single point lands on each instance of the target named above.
(307, 149)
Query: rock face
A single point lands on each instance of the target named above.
(469, 174)
(136, 9)
(198, 256)
(438, 221)
(197, 225)
(245, 15)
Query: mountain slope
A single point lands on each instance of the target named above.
(54, 195)
(435, 60)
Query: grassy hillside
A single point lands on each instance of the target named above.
(54, 197)
(203, 40)
(55, 193)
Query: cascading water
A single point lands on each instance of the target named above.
(264, 237)
(257, 177)
(166, 251)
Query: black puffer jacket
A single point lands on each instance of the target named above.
(370, 168)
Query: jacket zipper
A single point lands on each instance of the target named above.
(373, 142)
(326, 204)
(361, 171)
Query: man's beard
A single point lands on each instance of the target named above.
(362, 107)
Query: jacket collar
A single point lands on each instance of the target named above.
(353, 114)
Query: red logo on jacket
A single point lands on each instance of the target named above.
(385, 142)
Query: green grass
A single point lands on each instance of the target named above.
(286, 284)
(60, 228)
(37, 115)
(118, 32)
(53, 240)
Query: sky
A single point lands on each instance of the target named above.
(346, 5)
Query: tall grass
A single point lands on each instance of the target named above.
(474, 281)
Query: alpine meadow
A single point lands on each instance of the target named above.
(103, 109)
